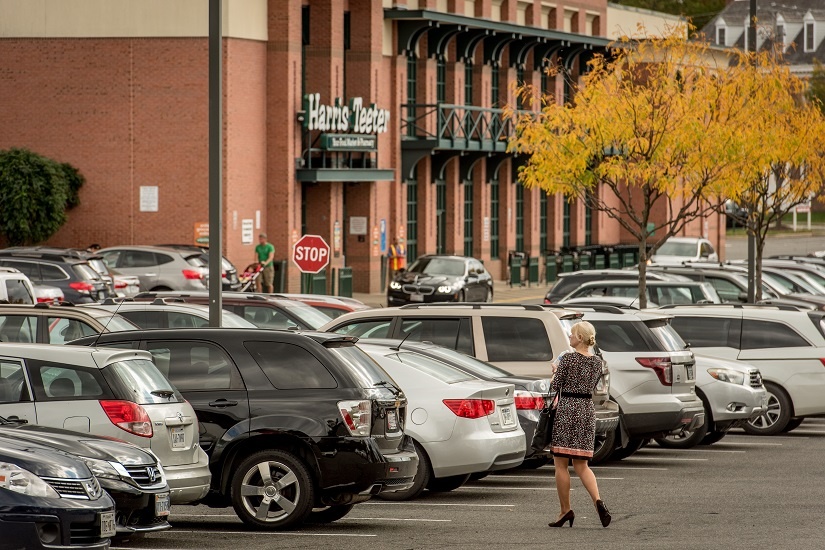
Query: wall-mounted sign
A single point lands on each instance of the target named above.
(247, 231)
(201, 234)
(148, 198)
(348, 142)
(358, 225)
(354, 118)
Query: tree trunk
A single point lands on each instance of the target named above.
(757, 268)
(643, 272)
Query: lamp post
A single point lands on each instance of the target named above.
(751, 237)
(215, 164)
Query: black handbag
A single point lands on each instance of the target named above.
(543, 435)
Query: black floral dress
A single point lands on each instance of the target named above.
(574, 429)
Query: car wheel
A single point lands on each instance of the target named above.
(792, 424)
(422, 478)
(713, 437)
(603, 446)
(620, 453)
(478, 475)
(773, 420)
(272, 490)
(447, 484)
(329, 514)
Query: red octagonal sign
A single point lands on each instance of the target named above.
(310, 253)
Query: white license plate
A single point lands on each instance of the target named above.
(162, 504)
(416, 297)
(507, 416)
(107, 525)
(392, 421)
(178, 438)
(689, 369)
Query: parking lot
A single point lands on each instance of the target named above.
(744, 490)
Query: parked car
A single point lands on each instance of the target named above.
(653, 384)
(521, 339)
(123, 285)
(676, 250)
(107, 392)
(616, 301)
(159, 268)
(568, 282)
(56, 324)
(441, 278)
(229, 273)
(784, 343)
(262, 310)
(332, 306)
(168, 313)
(64, 268)
(531, 393)
(459, 424)
(132, 477)
(16, 288)
(730, 283)
(659, 292)
(45, 294)
(50, 500)
(291, 421)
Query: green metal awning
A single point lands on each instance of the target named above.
(345, 174)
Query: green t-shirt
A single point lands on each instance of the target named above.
(263, 251)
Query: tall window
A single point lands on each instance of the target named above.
(780, 34)
(520, 80)
(468, 217)
(519, 216)
(304, 44)
(720, 36)
(412, 93)
(545, 82)
(441, 80)
(441, 216)
(412, 217)
(468, 83)
(565, 231)
(347, 47)
(494, 86)
(588, 221)
(494, 203)
(542, 221)
(809, 36)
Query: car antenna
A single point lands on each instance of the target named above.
(109, 320)
(401, 343)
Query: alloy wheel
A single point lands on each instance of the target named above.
(270, 491)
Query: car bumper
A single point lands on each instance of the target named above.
(189, 483)
(400, 298)
(687, 418)
(735, 402)
(136, 510)
(607, 417)
(472, 447)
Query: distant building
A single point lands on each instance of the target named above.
(631, 21)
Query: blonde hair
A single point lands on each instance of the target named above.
(586, 332)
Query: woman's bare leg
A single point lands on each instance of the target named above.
(587, 476)
(562, 483)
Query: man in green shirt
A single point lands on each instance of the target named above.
(265, 255)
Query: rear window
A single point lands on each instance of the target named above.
(668, 336)
(195, 260)
(84, 272)
(61, 382)
(140, 377)
(362, 366)
(290, 367)
(436, 369)
(50, 272)
(621, 336)
(18, 292)
(480, 368)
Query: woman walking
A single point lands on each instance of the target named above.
(574, 429)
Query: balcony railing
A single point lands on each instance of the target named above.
(457, 127)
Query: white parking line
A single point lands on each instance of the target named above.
(174, 516)
(746, 436)
(667, 459)
(749, 444)
(698, 451)
(396, 519)
(283, 533)
(626, 468)
(435, 504)
(549, 476)
(499, 488)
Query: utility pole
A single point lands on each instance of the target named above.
(215, 164)
(751, 44)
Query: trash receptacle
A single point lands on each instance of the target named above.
(551, 268)
(515, 260)
(279, 278)
(567, 263)
(533, 269)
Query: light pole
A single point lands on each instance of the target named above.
(751, 237)
(215, 164)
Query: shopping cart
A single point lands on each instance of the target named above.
(249, 276)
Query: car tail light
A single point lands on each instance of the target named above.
(128, 416)
(192, 274)
(528, 400)
(82, 287)
(822, 361)
(357, 416)
(547, 301)
(661, 365)
(48, 300)
(120, 284)
(471, 408)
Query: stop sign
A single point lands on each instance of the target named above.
(310, 253)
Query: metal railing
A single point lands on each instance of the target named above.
(460, 126)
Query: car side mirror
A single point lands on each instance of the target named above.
(743, 296)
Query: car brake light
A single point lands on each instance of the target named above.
(82, 286)
(47, 300)
(120, 284)
(661, 366)
(192, 274)
(357, 416)
(528, 400)
(471, 408)
(822, 361)
(128, 416)
(547, 301)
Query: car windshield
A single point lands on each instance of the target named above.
(438, 266)
(100, 266)
(144, 382)
(310, 316)
(362, 366)
(466, 362)
(85, 272)
(677, 249)
(232, 320)
(116, 323)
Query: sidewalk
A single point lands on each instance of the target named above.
(502, 294)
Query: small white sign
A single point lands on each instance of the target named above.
(247, 231)
(486, 229)
(358, 225)
(148, 198)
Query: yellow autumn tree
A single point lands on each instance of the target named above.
(654, 135)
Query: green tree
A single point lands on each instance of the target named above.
(35, 193)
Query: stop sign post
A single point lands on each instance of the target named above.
(310, 253)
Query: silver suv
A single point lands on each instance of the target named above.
(658, 292)
(167, 313)
(159, 268)
(653, 384)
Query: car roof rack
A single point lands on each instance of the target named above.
(781, 307)
(115, 301)
(472, 305)
(592, 307)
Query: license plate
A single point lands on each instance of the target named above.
(689, 369)
(107, 525)
(416, 297)
(507, 416)
(162, 504)
(392, 421)
(178, 438)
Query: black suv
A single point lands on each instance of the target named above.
(64, 268)
(568, 282)
(291, 421)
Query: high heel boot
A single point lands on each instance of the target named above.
(604, 513)
(569, 516)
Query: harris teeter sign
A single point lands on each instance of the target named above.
(354, 118)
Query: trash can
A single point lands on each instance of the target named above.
(567, 263)
(279, 278)
(599, 263)
(533, 270)
(551, 268)
(515, 260)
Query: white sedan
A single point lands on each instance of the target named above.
(460, 424)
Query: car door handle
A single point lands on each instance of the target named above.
(17, 419)
(220, 403)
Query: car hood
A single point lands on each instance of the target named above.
(42, 460)
(426, 279)
(79, 444)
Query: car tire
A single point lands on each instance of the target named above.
(478, 475)
(330, 513)
(447, 484)
(792, 424)
(603, 446)
(713, 437)
(778, 415)
(620, 453)
(250, 489)
(422, 478)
